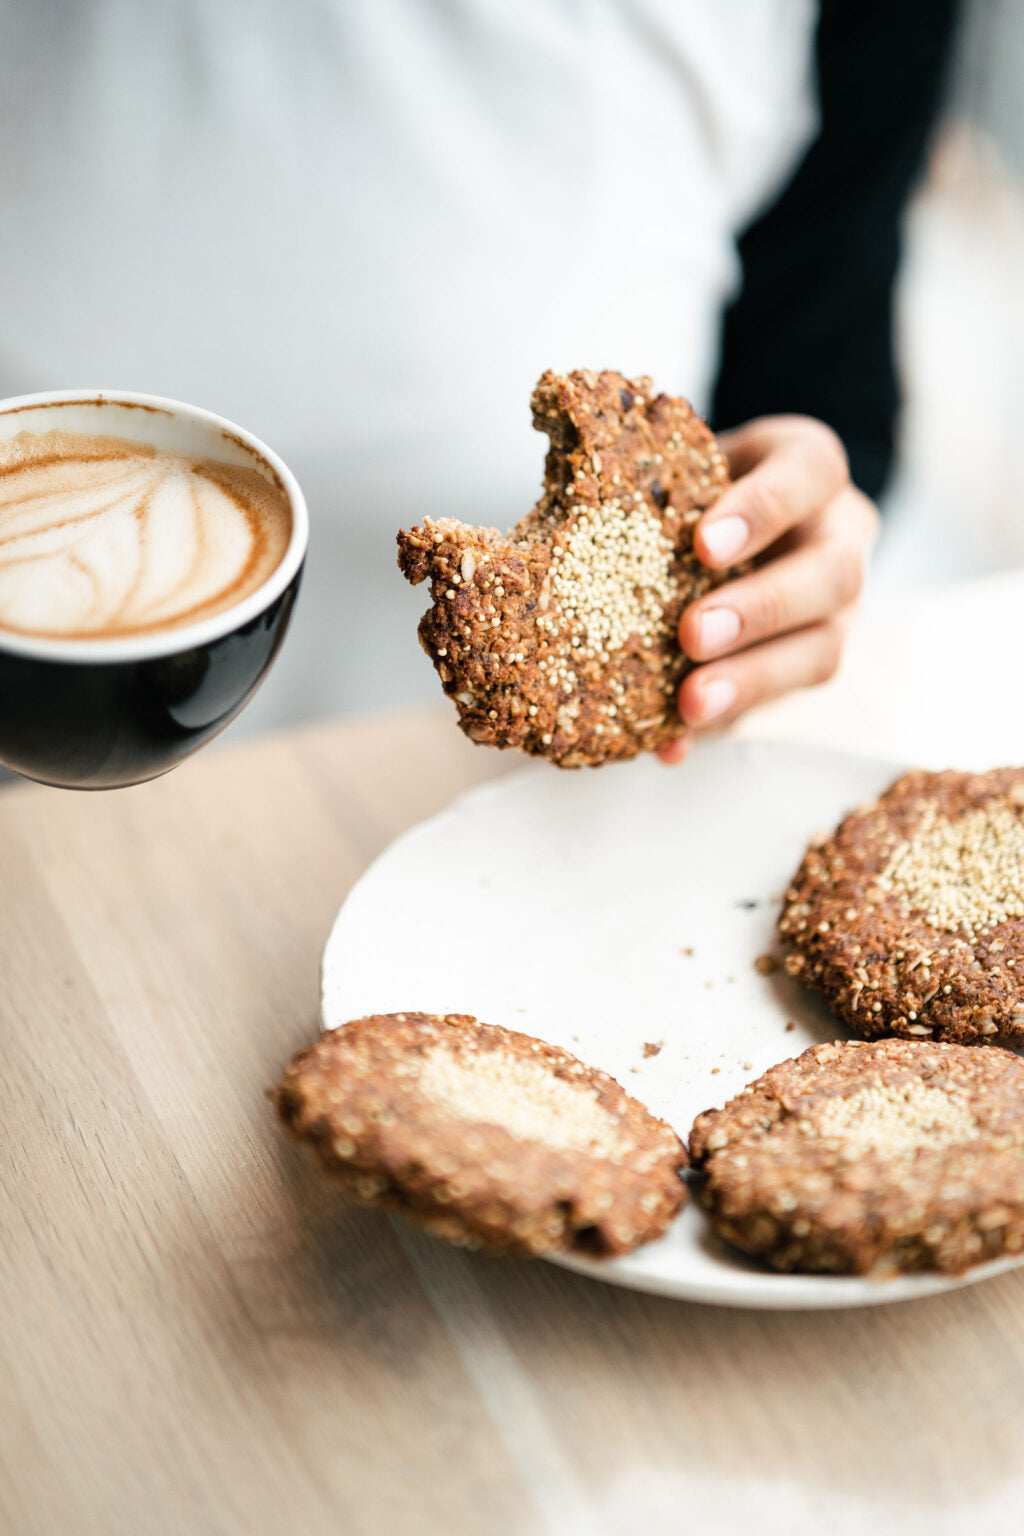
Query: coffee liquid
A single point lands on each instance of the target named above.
(102, 537)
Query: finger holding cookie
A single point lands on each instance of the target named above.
(794, 512)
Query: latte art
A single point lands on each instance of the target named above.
(101, 537)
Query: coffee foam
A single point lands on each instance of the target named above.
(100, 536)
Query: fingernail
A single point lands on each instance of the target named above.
(725, 538)
(675, 752)
(717, 695)
(718, 628)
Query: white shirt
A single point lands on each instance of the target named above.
(363, 228)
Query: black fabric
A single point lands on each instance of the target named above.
(812, 328)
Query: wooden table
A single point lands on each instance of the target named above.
(198, 1338)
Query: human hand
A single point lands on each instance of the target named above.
(794, 512)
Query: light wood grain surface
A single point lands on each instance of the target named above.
(198, 1338)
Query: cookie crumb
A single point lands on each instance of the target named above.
(653, 1047)
(766, 965)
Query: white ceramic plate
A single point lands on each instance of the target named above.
(602, 910)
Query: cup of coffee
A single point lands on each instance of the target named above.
(150, 557)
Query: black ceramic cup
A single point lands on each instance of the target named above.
(88, 713)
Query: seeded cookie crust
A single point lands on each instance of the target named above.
(909, 919)
(860, 1158)
(560, 638)
(486, 1137)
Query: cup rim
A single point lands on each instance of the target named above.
(186, 637)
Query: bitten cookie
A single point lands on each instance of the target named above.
(560, 638)
(909, 919)
(863, 1158)
(484, 1136)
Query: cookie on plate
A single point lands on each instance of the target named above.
(484, 1136)
(860, 1158)
(909, 918)
(560, 638)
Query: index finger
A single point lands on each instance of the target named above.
(789, 467)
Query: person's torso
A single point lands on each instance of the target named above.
(364, 230)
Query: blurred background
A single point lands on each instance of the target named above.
(362, 231)
(955, 508)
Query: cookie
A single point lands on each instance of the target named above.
(561, 638)
(486, 1137)
(859, 1158)
(909, 919)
